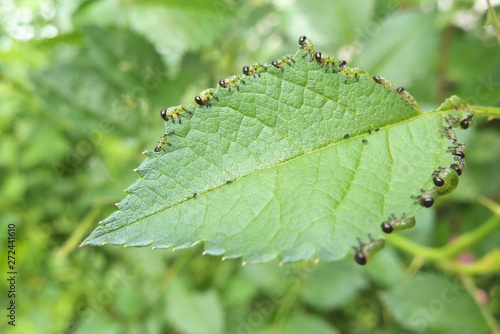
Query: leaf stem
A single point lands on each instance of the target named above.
(486, 111)
(463, 242)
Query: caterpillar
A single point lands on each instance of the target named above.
(231, 81)
(365, 251)
(458, 150)
(459, 166)
(254, 69)
(449, 133)
(464, 123)
(204, 98)
(280, 63)
(350, 72)
(172, 113)
(467, 121)
(409, 99)
(426, 198)
(384, 82)
(307, 46)
(394, 223)
(163, 141)
(445, 179)
(329, 62)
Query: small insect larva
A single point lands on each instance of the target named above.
(365, 251)
(369, 131)
(346, 136)
(173, 113)
(364, 141)
(459, 166)
(161, 145)
(449, 133)
(438, 181)
(350, 72)
(228, 181)
(445, 179)
(231, 81)
(426, 198)
(458, 150)
(397, 224)
(384, 82)
(307, 46)
(194, 195)
(204, 98)
(280, 63)
(466, 122)
(326, 61)
(377, 129)
(163, 141)
(410, 100)
(254, 69)
(452, 121)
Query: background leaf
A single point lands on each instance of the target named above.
(434, 304)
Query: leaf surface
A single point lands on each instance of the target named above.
(267, 171)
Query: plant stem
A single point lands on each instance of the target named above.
(78, 234)
(463, 242)
(486, 111)
(493, 20)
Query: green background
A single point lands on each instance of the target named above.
(81, 86)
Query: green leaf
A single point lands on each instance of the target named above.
(194, 312)
(333, 285)
(430, 303)
(170, 25)
(399, 56)
(335, 22)
(121, 79)
(266, 171)
(305, 323)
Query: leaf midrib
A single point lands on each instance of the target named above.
(265, 169)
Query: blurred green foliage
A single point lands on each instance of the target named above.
(81, 85)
